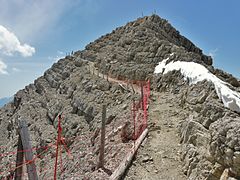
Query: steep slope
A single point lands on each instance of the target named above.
(69, 88)
(133, 50)
(140, 45)
(77, 86)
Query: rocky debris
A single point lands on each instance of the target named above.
(158, 157)
(126, 132)
(209, 135)
(224, 145)
(70, 89)
(54, 110)
(172, 81)
(147, 158)
(227, 77)
(111, 118)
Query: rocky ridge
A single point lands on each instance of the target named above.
(209, 133)
(68, 88)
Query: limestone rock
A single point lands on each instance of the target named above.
(209, 132)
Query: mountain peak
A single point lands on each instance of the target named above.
(184, 99)
(141, 44)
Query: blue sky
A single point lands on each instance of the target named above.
(33, 34)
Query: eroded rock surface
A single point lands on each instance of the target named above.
(77, 86)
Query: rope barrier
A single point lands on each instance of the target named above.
(26, 150)
(139, 114)
(25, 162)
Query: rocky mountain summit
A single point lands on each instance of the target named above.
(202, 135)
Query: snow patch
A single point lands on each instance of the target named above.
(195, 72)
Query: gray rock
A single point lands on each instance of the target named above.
(209, 137)
(146, 158)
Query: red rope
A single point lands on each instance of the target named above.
(26, 162)
(58, 140)
(61, 166)
(65, 146)
(26, 150)
(134, 122)
(61, 141)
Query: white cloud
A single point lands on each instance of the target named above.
(3, 67)
(32, 19)
(35, 18)
(60, 52)
(14, 69)
(213, 52)
(10, 44)
(60, 55)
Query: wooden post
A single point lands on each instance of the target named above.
(19, 160)
(58, 144)
(126, 162)
(142, 95)
(27, 148)
(134, 121)
(102, 145)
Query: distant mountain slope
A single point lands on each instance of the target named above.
(5, 100)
